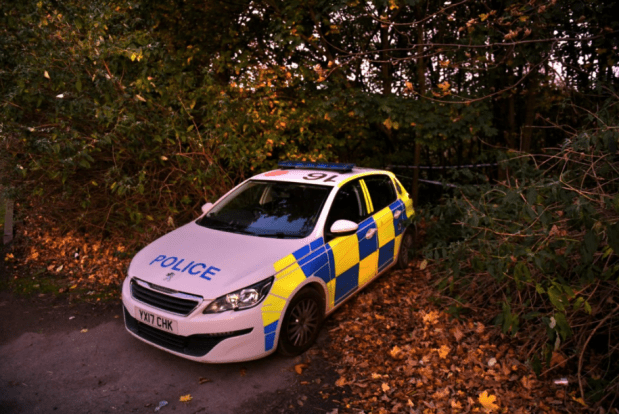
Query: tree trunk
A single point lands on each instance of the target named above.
(421, 80)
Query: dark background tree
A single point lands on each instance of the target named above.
(124, 117)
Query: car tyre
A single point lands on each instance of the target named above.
(301, 323)
(408, 240)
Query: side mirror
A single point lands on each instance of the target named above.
(343, 228)
(206, 208)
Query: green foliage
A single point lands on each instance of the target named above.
(540, 247)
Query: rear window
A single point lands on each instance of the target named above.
(381, 190)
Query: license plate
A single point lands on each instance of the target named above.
(156, 321)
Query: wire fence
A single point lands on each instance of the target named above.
(442, 167)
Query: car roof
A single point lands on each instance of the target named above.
(327, 177)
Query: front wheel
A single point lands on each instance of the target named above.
(301, 323)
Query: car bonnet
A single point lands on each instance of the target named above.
(210, 263)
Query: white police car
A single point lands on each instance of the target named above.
(260, 269)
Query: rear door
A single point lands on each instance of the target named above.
(388, 215)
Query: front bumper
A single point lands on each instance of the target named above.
(215, 338)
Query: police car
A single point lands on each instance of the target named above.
(260, 269)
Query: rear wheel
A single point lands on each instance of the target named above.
(301, 323)
(408, 240)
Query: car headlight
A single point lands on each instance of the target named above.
(241, 299)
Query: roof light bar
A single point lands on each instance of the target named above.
(335, 166)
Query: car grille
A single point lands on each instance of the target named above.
(194, 345)
(164, 298)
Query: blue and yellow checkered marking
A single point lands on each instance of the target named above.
(366, 246)
(345, 264)
(346, 283)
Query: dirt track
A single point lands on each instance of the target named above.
(57, 357)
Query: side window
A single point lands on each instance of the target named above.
(381, 191)
(348, 204)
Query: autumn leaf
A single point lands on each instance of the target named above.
(443, 351)
(385, 387)
(580, 401)
(396, 353)
(431, 317)
(299, 368)
(186, 398)
(444, 86)
(487, 401)
(458, 334)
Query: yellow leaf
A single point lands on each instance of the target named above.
(395, 352)
(444, 86)
(186, 398)
(388, 123)
(580, 401)
(84, 330)
(140, 98)
(431, 317)
(46, 75)
(483, 17)
(443, 351)
(385, 387)
(299, 368)
(423, 265)
(487, 401)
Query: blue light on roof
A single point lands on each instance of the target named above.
(335, 166)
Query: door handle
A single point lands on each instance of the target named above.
(370, 233)
(397, 214)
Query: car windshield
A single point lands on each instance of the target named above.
(269, 209)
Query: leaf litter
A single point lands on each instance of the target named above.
(394, 347)
(397, 350)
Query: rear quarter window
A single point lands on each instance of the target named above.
(381, 190)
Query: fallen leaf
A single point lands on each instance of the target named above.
(443, 351)
(299, 368)
(84, 330)
(186, 398)
(396, 353)
(203, 380)
(385, 387)
(487, 401)
(243, 372)
(458, 334)
(423, 265)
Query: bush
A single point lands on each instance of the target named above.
(541, 251)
